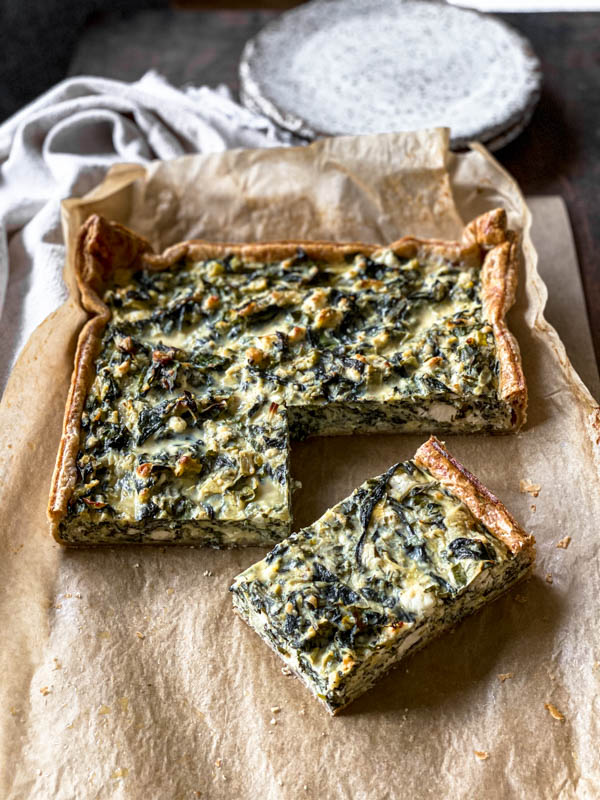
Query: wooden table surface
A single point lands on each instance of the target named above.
(559, 153)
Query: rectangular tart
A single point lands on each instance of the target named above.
(380, 574)
(198, 365)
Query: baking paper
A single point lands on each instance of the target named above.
(125, 673)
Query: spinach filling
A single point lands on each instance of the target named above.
(399, 551)
(206, 370)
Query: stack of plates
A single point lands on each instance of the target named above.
(334, 67)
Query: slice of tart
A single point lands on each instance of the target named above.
(380, 574)
(199, 364)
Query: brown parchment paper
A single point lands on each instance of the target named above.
(124, 673)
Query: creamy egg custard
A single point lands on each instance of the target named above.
(199, 365)
(406, 556)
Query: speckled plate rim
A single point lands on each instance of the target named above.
(493, 137)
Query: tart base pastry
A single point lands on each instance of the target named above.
(380, 574)
(198, 365)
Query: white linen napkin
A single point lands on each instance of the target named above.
(62, 144)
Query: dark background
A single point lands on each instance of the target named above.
(44, 41)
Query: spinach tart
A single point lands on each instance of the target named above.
(380, 574)
(198, 365)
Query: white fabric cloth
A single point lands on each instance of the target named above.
(62, 144)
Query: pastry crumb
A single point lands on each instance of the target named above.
(564, 543)
(275, 709)
(504, 676)
(140, 635)
(286, 671)
(554, 712)
(482, 755)
(273, 721)
(548, 578)
(44, 690)
(533, 507)
(170, 590)
(218, 762)
(527, 487)
(207, 573)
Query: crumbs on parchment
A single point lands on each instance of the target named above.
(504, 676)
(554, 712)
(520, 598)
(527, 487)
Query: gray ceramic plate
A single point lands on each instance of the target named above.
(335, 67)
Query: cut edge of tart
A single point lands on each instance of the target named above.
(379, 575)
(107, 251)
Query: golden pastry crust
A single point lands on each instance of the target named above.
(499, 287)
(484, 506)
(105, 248)
(102, 247)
